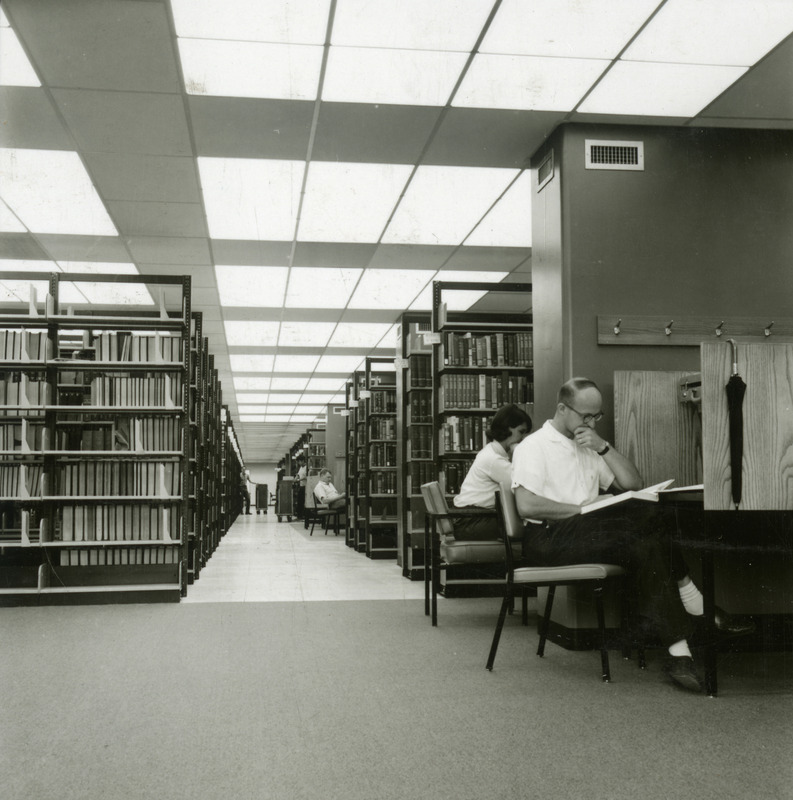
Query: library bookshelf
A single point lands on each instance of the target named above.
(482, 359)
(93, 417)
(378, 459)
(355, 530)
(415, 464)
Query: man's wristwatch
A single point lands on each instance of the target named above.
(606, 448)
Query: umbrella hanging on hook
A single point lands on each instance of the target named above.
(736, 389)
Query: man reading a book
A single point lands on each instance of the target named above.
(564, 466)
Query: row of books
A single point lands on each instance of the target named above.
(383, 483)
(21, 480)
(383, 454)
(420, 370)
(420, 407)
(118, 523)
(420, 442)
(14, 434)
(383, 428)
(484, 391)
(488, 350)
(119, 556)
(119, 478)
(127, 346)
(382, 402)
(463, 433)
(138, 434)
(23, 345)
(453, 474)
(149, 389)
(420, 472)
(19, 392)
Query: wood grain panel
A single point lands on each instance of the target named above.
(661, 435)
(767, 462)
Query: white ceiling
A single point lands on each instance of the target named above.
(313, 165)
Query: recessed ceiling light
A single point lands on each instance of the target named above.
(9, 222)
(458, 299)
(349, 202)
(254, 199)
(294, 363)
(425, 214)
(251, 333)
(358, 334)
(238, 285)
(320, 287)
(15, 67)
(112, 294)
(341, 364)
(252, 384)
(251, 363)
(389, 288)
(50, 192)
(253, 397)
(508, 223)
(26, 265)
(323, 384)
(251, 417)
(251, 409)
(305, 334)
(288, 383)
(678, 90)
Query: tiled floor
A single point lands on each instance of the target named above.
(263, 560)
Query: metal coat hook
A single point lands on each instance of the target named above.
(767, 331)
(668, 328)
(719, 331)
(617, 327)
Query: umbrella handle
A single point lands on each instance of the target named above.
(734, 356)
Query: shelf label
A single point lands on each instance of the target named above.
(401, 363)
(353, 404)
(431, 338)
(364, 394)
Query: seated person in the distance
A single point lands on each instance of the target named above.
(561, 468)
(326, 492)
(491, 467)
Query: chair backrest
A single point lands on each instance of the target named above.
(435, 503)
(311, 483)
(513, 524)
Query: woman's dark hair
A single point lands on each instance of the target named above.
(507, 417)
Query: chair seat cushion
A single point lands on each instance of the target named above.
(571, 572)
(473, 552)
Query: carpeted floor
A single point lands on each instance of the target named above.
(364, 700)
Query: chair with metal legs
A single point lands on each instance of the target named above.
(520, 575)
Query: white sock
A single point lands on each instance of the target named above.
(692, 599)
(680, 649)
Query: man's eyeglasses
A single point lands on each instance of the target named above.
(586, 418)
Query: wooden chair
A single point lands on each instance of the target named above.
(442, 550)
(321, 511)
(520, 576)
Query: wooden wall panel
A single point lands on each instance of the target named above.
(767, 464)
(661, 435)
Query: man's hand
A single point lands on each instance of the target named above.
(587, 437)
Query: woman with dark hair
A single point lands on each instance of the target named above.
(492, 466)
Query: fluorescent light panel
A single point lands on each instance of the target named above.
(341, 364)
(305, 334)
(457, 300)
(442, 204)
(323, 384)
(291, 363)
(412, 24)
(508, 223)
(255, 199)
(280, 384)
(50, 192)
(15, 68)
(9, 222)
(389, 288)
(251, 363)
(25, 265)
(678, 90)
(251, 333)
(316, 287)
(358, 334)
(400, 77)
(349, 202)
(527, 83)
(250, 69)
(252, 384)
(295, 22)
(253, 397)
(260, 287)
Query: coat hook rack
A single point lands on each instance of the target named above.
(719, 330)
(617, 327)
(767, 331)
(668, 328)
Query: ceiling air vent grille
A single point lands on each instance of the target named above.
(600, 154)
(545, 171)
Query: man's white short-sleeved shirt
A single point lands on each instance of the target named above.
(552, 466)
(490, 469)
(322, 491)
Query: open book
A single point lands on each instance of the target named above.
(650, 493)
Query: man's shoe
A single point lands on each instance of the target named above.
(682, 671)
(726, 623)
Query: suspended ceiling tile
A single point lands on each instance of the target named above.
(158, 250)
(200, 276)
(125, 122)
(377, 134)
(250, 128)
(332, 254)
(157, 219)
(128, 176)
(251, 253)
(98, 44)
(765, 91)
(64, 247)
(29, 120)
(21, 246)
(490, 137)
(202, 296)
(405, 256)
(495, 258)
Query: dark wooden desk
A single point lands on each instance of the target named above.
(712, 532)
